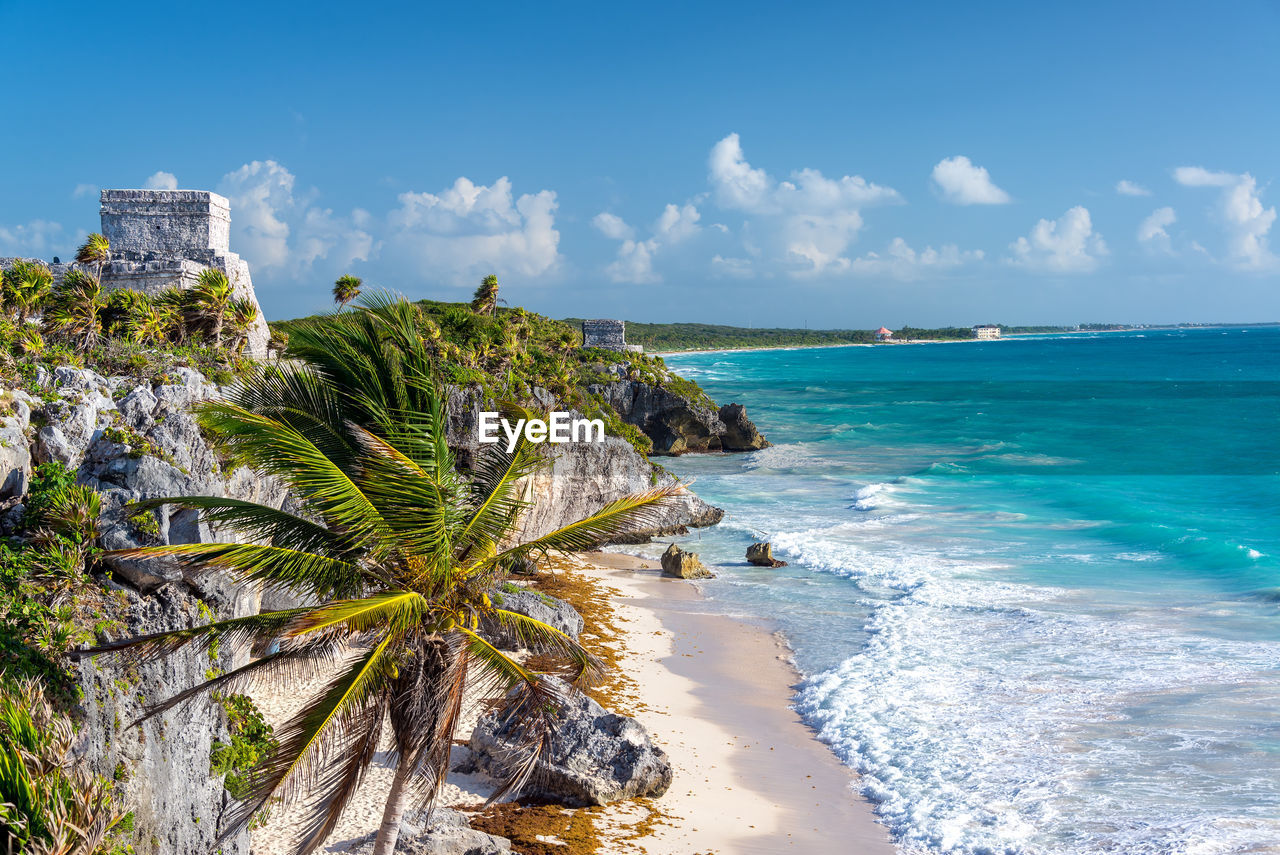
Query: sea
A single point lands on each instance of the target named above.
(1033, 585)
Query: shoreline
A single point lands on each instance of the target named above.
(751, 776)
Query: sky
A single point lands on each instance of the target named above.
(832, 165)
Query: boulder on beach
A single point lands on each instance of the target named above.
(683, 565)
(555, 613)
(442, 832)
(740, 433)
(596, 756)
(761, 555)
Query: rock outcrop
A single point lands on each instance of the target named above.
(678, 424)
(761, 555)
(581, 478)
(740, 433)
(444, 832)
(596, 756)
(556, 613)
(683, 565)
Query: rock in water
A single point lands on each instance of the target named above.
(596, 756)
(683, 565)
(740, 433)
(447, 834)
(761, 555)
(549, 610)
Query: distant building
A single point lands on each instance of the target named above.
(609, 335)
(986, 331)
(884, 334)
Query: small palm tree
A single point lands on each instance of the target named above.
(95, 250)
(243, 313)
(26, 285)
(346, 289)
(211, 298)
(399, 551)
(485, 300)
(175, 304)
(75, 309)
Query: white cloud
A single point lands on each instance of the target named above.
(274, 228)
(805, 224)
(1244, 220)
(471, 229)
(38, 239)
(83, 190)
(612, 226)
(1066, 245)
(902, 262)
(634, 262)
(1125, 187)
(1152, 230)
(964, 183)
(162, 181)
(739, 268)
(677, 223)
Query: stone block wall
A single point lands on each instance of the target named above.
(166, 222)
(607, 334)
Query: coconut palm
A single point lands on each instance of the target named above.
(95, 250)
(243, 313)
(75, 309)
(346, 289)
(485, 299)
(211, 298)
(399, 551)
(27, 283)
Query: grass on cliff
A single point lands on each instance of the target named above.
(507, 352)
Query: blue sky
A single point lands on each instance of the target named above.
(746, 163)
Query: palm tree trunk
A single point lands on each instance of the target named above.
(397, 801)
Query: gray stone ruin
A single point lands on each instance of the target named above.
(609, 335)
(165, 238)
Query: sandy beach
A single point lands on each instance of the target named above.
(713, 691)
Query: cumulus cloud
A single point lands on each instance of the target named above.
(1239, 208)
(963, 182)
(635, 258)
(807, 223)
(470, 229)
(612, 226)
(1065, 245)
(1152, 230)
(1125, 187)
(38, 239)
(278, 229)
(902, 262)
(84, 190)
(162, 181)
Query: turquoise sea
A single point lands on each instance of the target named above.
(1034, 584)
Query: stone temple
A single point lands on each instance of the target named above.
(609, 335)
(165, 238)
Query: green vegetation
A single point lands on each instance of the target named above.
(252, 743)
(672, 338)
(74, 322)
(400, 551)
(507, 352)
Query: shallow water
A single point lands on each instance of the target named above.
(1034, 584)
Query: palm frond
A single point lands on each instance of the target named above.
(260, 627)
(257, 522)
(392, 611)
(294, 570)
(544, 638)
(636, 509)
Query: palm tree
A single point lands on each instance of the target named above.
(346, 289)
(75, 308)
(242, 312)
(96, 250)
(175, 304)
(211, 298)
(485, 300)
(27, 283)
(399, 550)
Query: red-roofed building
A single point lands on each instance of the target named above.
(884, 334)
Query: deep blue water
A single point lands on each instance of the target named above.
(1034, 584)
